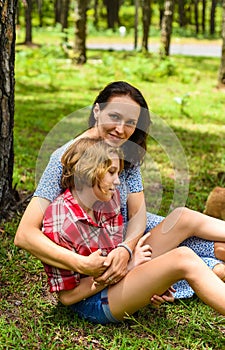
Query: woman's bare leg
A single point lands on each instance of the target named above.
(181, 224)
(157, 275)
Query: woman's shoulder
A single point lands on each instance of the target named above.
(61, 150)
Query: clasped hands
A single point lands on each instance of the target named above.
(111, 269)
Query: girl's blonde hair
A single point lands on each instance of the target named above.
(86, 162)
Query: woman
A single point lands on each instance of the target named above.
(86, 219)
(120, 115)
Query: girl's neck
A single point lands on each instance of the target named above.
(85, 200)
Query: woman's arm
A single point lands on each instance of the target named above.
(118, 258)
(30, 237)
(86, 288)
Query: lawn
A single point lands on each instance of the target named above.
(185, 160)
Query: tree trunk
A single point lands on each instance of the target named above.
(212, 17)
(161, 12)
(181, 11)
(28, 20)
(203, 15)
(196, 17)
(112, 13)
(96, 14)
(7, 82)
(221, 79)
(80, 32)
(64, 14)
(57, 8)
(146, 19)
(166, 30)
(136, 24)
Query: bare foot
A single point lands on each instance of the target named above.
(219, 270)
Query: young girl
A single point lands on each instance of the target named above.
(86, 219)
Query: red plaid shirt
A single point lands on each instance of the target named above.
(68, 225)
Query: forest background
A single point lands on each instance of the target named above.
(186, 100)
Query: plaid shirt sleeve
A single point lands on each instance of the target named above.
(55, 216)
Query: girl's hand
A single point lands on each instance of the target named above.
(157, 300)
(93, 265)
(142, 253)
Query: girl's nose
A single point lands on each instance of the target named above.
(117, 180)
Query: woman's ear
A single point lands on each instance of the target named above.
(96, 111)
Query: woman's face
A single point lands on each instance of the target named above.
(106, 188)
(118, 120)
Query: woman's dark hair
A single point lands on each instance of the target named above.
(134, 150)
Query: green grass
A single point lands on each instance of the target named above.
(48, 88)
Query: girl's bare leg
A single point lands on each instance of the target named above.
(181, 224)
(154, 277)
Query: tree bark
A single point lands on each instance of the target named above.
(136, 24)
(212, 17)
(28, 20)
(203, 15)
(221, 79)
(166, 30)
(7, 82)
(96, 14)
(57, 8)
(112, 13)
(64, 14)
(181, 11)
(146, 19)
(196, 17)
(80, 32)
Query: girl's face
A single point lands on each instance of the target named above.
(105, 189)
(118, 120)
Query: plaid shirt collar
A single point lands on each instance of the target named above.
(103, 210)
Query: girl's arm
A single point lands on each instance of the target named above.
(30, 237)
(86, 288)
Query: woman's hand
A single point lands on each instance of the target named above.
(116, 264)
(142, 253)
(158, 300)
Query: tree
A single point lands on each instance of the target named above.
(146, 19)
(212, 17)
(166, 29)
(203, 15)
(136, 4)
(112, 12)
(80, 32)
(28, 20)
(7, 82)
(196, 17)
(57, 8)
(221, 79)
(64, 17)
(181, 12)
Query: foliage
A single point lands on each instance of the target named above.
(49, 87)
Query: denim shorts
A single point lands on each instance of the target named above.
(95, 308)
